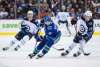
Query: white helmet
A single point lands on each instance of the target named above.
(63, 7)
(88, 13)
(30, 12)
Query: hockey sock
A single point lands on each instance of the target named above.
(82, 44)
(72, 46)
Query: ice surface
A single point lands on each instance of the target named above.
(52, 59)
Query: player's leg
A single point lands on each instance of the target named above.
(70, 48)
(12, 42)
(17, 38)
(48, 45)
(67, 26)
(57, 38)
(22, 42)
(81, 46)
(37, 49)
(81, 49)
(25, 37)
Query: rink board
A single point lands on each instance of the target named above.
(11, 27)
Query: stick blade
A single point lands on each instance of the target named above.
(87, 54)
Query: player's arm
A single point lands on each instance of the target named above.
(94, 4)
(24, 26)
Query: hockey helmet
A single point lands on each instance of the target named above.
(88, 13)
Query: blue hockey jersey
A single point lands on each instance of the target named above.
(51, 30)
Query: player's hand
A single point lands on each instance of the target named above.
(74, 21)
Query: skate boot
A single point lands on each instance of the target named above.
(39, 56)
(16, 48)
(5, 48)
(77, 54)
(65, 53)
(31, 55)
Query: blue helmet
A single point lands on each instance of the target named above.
(47, 18)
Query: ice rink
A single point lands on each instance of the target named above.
(19, 58)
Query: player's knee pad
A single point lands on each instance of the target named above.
(25, 39)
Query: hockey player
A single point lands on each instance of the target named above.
(83, 35)
(63, 18)
(52, 35)
(29, 28)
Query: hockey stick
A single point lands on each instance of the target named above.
(87, 54)
(58, 49)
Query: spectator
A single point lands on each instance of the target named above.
(3, 13)
(17, 9)
(96, 4)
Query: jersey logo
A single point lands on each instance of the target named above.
(82, 29)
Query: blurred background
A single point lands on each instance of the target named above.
(16, 9)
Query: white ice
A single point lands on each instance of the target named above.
(19, 58)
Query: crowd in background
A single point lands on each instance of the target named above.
(11, 9)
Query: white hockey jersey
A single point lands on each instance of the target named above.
(28, 26)
(62, 16)
(85, 27)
